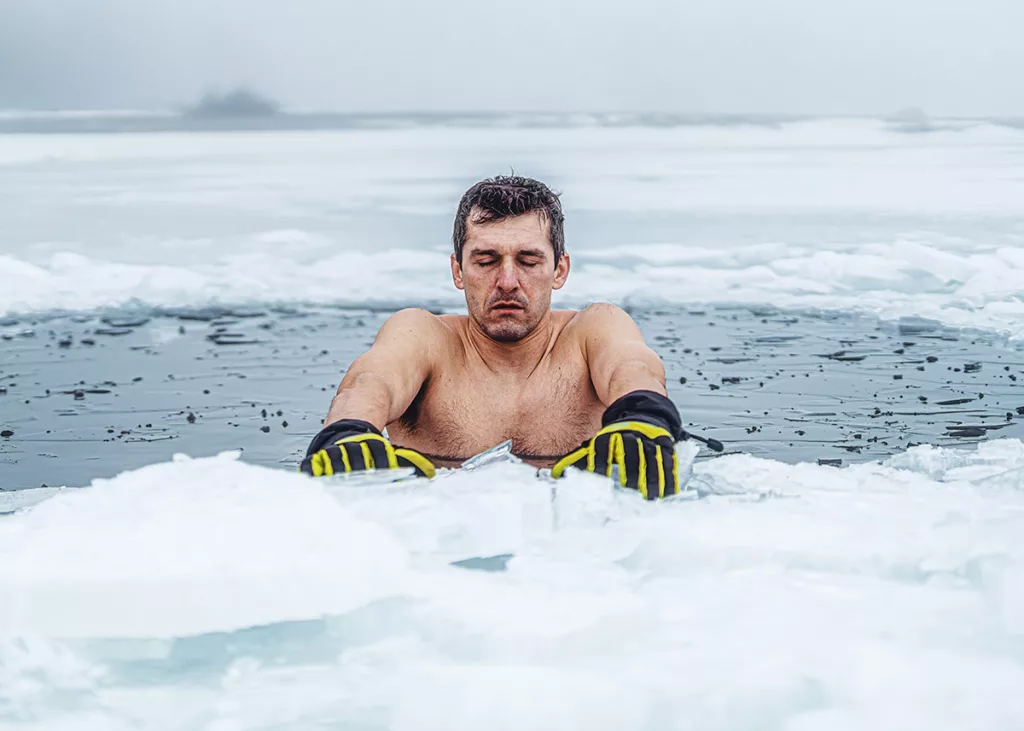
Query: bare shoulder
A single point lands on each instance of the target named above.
(414, 325)
(602, 319)
(413, 318)
(453, 322)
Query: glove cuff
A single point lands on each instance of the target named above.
(339, 429)
(649, 407)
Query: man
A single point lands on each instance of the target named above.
(570, 389)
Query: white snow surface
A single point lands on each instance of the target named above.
(880, 595)
(833, 214)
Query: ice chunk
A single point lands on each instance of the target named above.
(189, 547)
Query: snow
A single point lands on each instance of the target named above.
(226, 546)
(827, 214)
(769, 596)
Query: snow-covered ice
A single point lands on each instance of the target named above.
(836, 214)
(229, 546)
(213, 594)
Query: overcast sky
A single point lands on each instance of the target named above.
(959, 57)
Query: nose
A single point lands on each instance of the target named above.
(508, 276)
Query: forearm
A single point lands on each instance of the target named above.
(352, 440)
(365, 396)
(634, 375)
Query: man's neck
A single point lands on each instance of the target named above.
(518, 358)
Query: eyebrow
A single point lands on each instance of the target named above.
(538, 253)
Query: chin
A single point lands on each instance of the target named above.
(508, 329)
(507, 332)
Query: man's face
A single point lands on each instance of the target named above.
(508, 272)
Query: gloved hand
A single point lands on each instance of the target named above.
(351, 445)
(639, 432)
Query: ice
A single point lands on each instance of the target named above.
(825, 214)
(209, 593)
(185, 548)
(15, 499)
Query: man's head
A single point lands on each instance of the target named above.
(509, 254)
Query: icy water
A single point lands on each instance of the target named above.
(91, 395)
(820, 291)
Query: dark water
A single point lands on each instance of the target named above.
(92, 395)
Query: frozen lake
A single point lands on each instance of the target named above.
(844, 214)
(777, 593)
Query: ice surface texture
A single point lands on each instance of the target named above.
(214, 594)
(822, 214)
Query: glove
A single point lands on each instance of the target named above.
(351, 445)
(639, 432)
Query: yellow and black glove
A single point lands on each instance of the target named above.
(352, 445)
(639, 433)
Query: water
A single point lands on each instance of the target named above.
(216, 593)
(90, 395)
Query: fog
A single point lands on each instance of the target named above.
(949, 57)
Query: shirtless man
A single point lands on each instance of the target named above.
(570, 389)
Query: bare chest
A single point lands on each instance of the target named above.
(462, 412)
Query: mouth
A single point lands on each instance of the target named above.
(506, 307)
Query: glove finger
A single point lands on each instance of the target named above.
(671, 462)
(657, 472)
(410, 458)
(628, 453)
(663, 479)
(306, 466)
(380, 458)
(354, 456)
(322, 464)
(616, 459)
(329, 461)
(577, 458)
(599, 461)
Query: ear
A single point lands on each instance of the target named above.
(561, 272)
(457, 273)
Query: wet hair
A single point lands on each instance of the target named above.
(507, 196)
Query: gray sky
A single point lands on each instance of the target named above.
(958, 57)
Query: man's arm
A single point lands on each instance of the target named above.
(619, 359)
(381, 384)
(640, 424)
